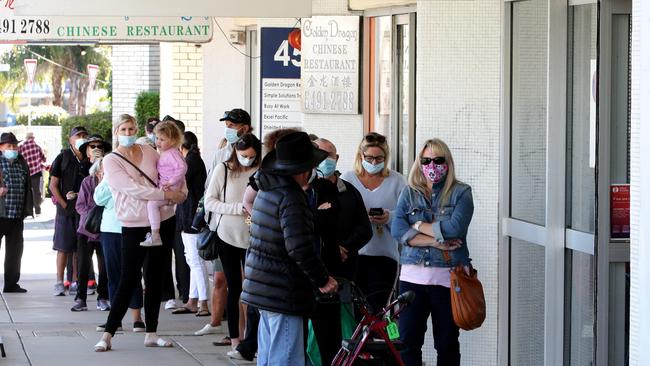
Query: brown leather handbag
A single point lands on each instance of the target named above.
(467, 298)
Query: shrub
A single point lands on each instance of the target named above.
(96, 123)
(47, 120)
(42, 115)
(147, 105)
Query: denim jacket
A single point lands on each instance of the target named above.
(449, 222)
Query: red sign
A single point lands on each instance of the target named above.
(620, 210)
(30, 66)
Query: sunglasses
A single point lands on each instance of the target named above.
(96, 147)
(438, 161)
(374, 137)
(234, 116)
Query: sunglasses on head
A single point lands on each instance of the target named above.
(438, 161)
(374, 137)
(232, 115)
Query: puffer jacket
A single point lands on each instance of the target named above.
(282, 269)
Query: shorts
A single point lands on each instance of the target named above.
(217, 266)
(65, 233)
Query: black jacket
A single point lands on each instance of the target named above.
(195, 179)
(326, 224)
(282, 270)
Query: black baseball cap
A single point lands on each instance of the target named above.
(237, 115)
(77, 130)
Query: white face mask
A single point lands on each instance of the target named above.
(245, 161)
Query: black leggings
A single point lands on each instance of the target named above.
(84, 264)
(133, 258)
(376, 277)
(232, 259)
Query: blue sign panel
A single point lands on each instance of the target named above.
(279, 59)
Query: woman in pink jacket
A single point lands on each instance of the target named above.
(132, 177)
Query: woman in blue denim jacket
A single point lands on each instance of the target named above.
(432, 217)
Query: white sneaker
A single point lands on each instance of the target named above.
(208, 329)
(149, 241)
(171, 304)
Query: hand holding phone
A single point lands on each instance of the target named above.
(376, 211)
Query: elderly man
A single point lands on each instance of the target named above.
(33, 155)
(15, 205)
(282, 267)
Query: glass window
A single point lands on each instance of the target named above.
(581, 117)
(579, 324)
(383, 74)
(528, 110)
(620, 108)
(526, 303)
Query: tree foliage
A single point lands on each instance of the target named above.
(147, 105)
(96, 123)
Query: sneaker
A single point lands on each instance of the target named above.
(139, 327)
(66, 284)
(102, 328)
(208, 329)
(79, 305)
(235, 354)
(73, 288)
(103, 305)
(59, 289)
(171, 304)
(150, 241)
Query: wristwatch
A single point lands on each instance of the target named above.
(417, 225)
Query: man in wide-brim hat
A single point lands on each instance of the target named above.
(282, 268)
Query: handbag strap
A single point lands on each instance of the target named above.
(136, 168)
(225, 184)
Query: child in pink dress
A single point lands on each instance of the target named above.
(171, 174)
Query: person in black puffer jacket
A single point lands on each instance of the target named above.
(282, 268)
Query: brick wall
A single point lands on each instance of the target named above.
(136, 68)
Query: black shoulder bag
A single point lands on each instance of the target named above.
(208, 243)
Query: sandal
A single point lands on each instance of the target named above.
(225, 341)
(203, 313)
(182, 310)
(102, 346)
(159, 343)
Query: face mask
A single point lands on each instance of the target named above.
(126, 141)
(371, 168)
(245, 161)
(78, 143)
(435, 173)
(231, 135)
(327, 167)
(312, 176)
(152, 137)
(10, 154)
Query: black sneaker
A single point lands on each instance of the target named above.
(139, 327)
(15, 289)
(79, 305)
(102, 328)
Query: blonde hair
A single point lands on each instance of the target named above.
(418, 181)
(372, 140)
(170, 130)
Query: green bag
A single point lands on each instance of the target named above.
(348, 324)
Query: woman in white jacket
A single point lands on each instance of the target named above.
(227, 216)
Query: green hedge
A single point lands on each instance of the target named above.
(147, 105)
(96, 123)
(48, 120)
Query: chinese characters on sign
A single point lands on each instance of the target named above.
(330, 64)
(280, 80)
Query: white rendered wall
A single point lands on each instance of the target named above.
(457, 99)
(640, 186)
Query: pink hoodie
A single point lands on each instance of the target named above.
(131, 190)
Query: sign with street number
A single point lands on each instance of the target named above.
(93, 70)
(280, 81)
(30, 67)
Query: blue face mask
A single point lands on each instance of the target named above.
(126, 141)
(231, 135)
(152, 137)
(78, 143)
(372, 168)
(10, 154)
(327, 167)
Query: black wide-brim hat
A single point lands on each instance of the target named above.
(293, 154)
(8, 138)
(106, 146)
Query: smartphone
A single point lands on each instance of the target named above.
(376, 211)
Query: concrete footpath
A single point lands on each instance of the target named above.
(39, 328)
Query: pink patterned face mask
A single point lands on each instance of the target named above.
(436, 173)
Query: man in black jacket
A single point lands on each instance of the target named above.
(15, 204)
(282, 268)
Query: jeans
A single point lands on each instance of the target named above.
(280, 340)
(232, 259)
(84, 264)
(133, 258)
(182, 271)
(198, 270)
(112, 248)
(12, 231)
(434, 301)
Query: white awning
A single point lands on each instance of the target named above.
(159, 8)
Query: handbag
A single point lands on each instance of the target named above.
(93, 221)
(467, 297)
(209, 241)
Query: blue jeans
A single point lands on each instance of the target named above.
(280, 339)
(434, 301)
(112, 247)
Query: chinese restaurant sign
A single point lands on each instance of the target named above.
(330, 64)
